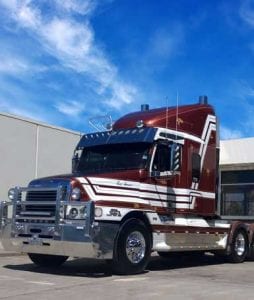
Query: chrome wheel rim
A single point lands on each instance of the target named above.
(240, 244)
(135, 247)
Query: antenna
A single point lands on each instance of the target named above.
(167, 113)
(177, 105)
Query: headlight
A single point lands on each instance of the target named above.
(76, 212)
(11, 194)
(75, 194)
(73, 213)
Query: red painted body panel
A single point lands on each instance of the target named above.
(191, 118)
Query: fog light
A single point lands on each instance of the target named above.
(73, 213)
(98, 212)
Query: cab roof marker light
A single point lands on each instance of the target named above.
(140, 123)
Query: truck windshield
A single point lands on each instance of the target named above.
(113, 157)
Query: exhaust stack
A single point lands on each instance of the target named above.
(144, 107)
(203, 100)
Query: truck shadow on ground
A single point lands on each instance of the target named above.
(97, 269)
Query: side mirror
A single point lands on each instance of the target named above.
(75, 161)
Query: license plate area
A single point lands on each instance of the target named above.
(34, 241)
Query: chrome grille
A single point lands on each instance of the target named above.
(41, 195)
(36, 205)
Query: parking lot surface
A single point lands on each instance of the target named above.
(185, 278)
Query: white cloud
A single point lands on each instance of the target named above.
(71, 41)
(165, 43)
(28, 17)
(73, 44)
(83, 7)
(71, 108)
(12, 64)
(245, 89)
(229, 134)
(127, 93)
(247, 12)
(15, 110)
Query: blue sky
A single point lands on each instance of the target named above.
(62, 62)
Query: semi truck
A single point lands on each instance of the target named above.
(150, 183)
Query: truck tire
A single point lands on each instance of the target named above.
(46, 260)
(239, 246)
(132, 248)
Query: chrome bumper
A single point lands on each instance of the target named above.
(86, 238)
(71, 242)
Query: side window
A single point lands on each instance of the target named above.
(196, 165)
(162, 159)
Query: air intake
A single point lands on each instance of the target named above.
(144, 107)
(203, 100)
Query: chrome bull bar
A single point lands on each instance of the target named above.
(27, 227)
(38, 231)
(4, 214)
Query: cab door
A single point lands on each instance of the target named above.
(165, 164)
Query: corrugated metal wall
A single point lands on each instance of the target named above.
(29, 150)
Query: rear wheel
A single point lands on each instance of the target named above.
(132, 248)
(239, 246)
(46, 260)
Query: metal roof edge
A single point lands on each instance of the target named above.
(236, 140)
(34, 122)
(236, 166)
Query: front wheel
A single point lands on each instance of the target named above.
(239, 246)
(132, 248)
(46, 260)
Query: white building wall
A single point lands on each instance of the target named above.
(29, 150)
(237, 154)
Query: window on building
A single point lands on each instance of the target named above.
(237, 193)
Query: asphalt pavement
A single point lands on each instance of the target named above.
(196, 278)
(6, 253)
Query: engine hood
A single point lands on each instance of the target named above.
(52, 181)
(67, 178)
(92, 187)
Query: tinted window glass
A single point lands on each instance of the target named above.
(114, 157)
(237, 176)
